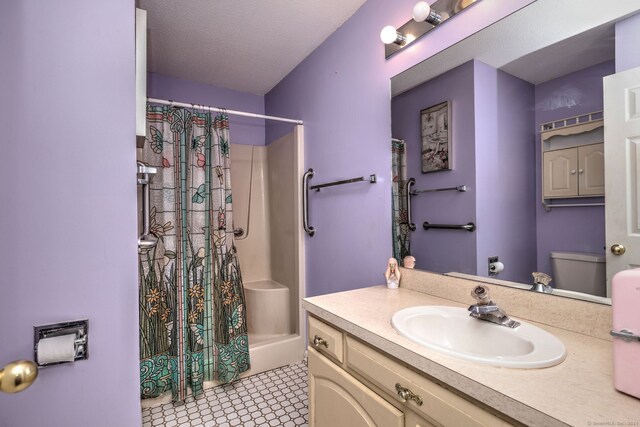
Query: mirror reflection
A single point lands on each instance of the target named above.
(524, 142)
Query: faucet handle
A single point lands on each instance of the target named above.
(481, 294)
(541, 278)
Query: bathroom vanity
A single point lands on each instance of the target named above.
(352, 383)
(362, 372)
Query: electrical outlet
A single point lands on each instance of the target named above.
(490, 261)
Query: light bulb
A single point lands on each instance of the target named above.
(421, 11)
(389, 34)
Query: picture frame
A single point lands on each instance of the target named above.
(435, 131)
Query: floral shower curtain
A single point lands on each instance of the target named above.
(399, 228)
(192, 310)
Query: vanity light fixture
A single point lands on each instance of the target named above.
(426, 17)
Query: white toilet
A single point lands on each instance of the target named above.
(580, 272)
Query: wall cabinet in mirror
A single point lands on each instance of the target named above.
(574, 172)
(573, 160)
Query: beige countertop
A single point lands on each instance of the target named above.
(577, 392)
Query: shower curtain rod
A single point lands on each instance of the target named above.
(221, 110)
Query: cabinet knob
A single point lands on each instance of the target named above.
(318, 341)
(573, 171)
(618, 249)
(580, 170)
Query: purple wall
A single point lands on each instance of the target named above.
(505, 187)
(68, 205)
(244, 130)
(568, 229)
(492, 133)
(342, 92)
(627, 42)
(433, 249)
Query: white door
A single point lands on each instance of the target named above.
(622, 167)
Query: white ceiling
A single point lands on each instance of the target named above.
(246, 45)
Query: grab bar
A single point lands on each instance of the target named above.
(372, 179)
(460, 188)
(146, 240)
(305, 203)
(407, 191)
(547, 206)
(468, 227)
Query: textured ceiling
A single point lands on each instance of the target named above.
(246, 45)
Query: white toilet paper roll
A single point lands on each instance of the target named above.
(496, 267)
(57, 349)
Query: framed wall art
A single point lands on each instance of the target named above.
(435, 125)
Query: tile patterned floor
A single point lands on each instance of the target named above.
(273, 398)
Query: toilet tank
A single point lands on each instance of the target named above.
(580, 272)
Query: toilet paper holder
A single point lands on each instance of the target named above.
(78, 327)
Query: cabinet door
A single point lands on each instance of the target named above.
(336, 399)
(560, 173)
(591, 170)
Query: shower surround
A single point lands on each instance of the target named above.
(267, 192)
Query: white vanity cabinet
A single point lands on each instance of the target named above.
(574, 172)
(353, 384)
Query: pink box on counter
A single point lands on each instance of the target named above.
(626, 317)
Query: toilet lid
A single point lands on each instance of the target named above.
(579, 256)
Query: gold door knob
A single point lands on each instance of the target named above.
(18, 375)
(618, 249)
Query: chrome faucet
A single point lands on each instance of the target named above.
(487, 310)
(541, 283)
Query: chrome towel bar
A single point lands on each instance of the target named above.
(372, 179)
(468, 227)
(459, 188)
(305, 194)
(409, 192)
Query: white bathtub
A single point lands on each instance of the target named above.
(268, 311)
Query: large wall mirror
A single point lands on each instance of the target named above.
(514, 116)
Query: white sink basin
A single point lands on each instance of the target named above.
(450, 330)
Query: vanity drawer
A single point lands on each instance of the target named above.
(326, 339)
(439, 404)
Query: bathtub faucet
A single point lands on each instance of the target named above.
(487, 310)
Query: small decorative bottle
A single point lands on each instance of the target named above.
(392, 274)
